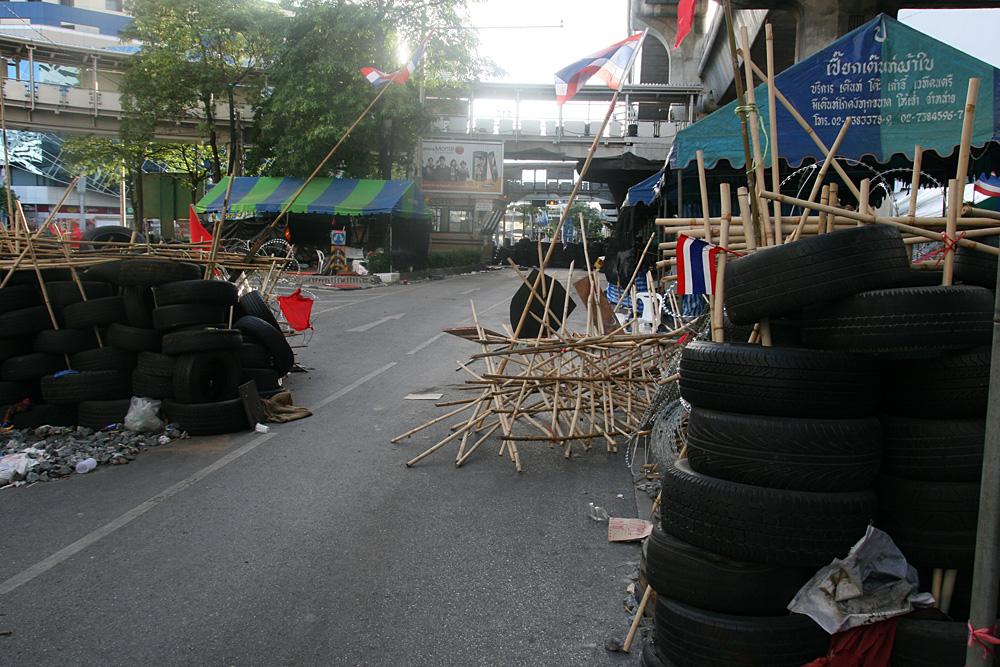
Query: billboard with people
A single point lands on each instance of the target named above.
(461, 166)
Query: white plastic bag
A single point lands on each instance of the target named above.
(15, 465)
(144, 415)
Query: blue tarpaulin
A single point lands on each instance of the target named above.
(899, 86)
(643, 193)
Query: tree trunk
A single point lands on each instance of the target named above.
(137, 207)
(236, 132)
(213, 139)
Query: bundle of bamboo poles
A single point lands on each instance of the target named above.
(560, 387)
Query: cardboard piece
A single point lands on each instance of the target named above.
(628, 530)
(422, 397)
(251, 403)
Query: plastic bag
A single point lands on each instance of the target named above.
(15, 466)
(143, 415)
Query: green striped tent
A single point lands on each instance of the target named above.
(324, 196)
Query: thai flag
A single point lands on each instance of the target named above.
(378, 77)
(988, 185)
(695, 266)
(609, 64)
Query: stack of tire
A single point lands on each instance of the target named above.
(164, 337)
(785, 444)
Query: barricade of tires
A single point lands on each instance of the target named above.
(148, 327)
(878, 414)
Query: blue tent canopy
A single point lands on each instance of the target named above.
(899, 86)
(327, 196)
(644, 192)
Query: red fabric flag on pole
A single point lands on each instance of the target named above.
(685, 18)
(198, 233)
(296, 309)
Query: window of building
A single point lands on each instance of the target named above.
(460, 221)
(66, 3)
(114, 5)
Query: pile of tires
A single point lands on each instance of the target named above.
(149, 327)
(793, 451)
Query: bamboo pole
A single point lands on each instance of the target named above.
(638, 617)
(718, 316)
(918, 158)
(830, 158)
(753, 122)
(872, 219)
(741, 104)
(951, 232)
(773, 126)
(968, 122)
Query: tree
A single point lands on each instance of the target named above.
(195, 53)
(318, 92)
(93, 156)
(527, 212)
(591, 218)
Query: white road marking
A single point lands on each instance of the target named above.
(372, 325)
(470, 291)
(67, 552)
(425, 343)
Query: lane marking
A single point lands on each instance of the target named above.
(351, 387)
(468, 319)
(425, 343)
(470, 291)
(372, 325)
(67, 552)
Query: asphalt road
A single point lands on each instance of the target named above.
(313, 544)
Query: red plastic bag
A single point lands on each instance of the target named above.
(297, 309)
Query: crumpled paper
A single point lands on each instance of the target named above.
(874, 582)
(15, 464)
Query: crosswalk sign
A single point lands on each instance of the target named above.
(338, 237)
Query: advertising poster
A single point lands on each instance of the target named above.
(461, 166)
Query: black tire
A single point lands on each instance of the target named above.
(12, 392)
(923, 643)
(206, 377)
(108, 234)
(14, 347)
(152, 271)
(166, 318)
(101, 414)
(107, 358)
(652, 657)
(64, 341)
(266, 379)
(975, 267)
(257, 329)
(254, 355)
(956, 384)
(134, 339)
(16, 297)
(218, 292)
(43, 414)
(67, 292)
(932, 523)
(106, 271)
(717, 583)
(253, 304)
(155, 363)
(208, 418)
(25, 321)
(781, 279)
(933, 450)
(204, 340)
(826, 455)
(902, 320)
(30, 277)
(762, 525)
(151, 386)
(31, 366)
(139, 306)
(778, 381)
(86, 386)
(692, 637)
(96, 312)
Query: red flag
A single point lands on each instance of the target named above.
(685, 17)
(198, 233)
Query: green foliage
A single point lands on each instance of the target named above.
(378, 263)
(591, 218)
(440, 259)
(195, 53)
(317, 90)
